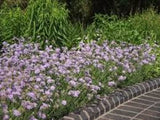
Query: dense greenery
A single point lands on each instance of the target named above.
(42, 20)
(46, 84)
(65, 60)
(84, 10)
(47, 20)
(135, 29)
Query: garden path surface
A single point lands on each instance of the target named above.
(143, 107)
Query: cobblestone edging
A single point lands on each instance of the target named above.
(94, 110)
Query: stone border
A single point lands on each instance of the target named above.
(94, 110)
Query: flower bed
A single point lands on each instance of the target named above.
(43, 84)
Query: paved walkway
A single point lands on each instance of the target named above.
(143, 107)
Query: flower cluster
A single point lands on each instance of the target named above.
(33, 79)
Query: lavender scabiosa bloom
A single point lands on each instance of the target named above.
(30, 76)
(28, 105)
(37, 71)
(33, 118)
(16, 113)
(121, 78)
(48, 93)
(74, 93)
(41, 115)
(44, 106)
(32, 95)
(6, 117)
(111, 83)
(73, 83)
(145, 62)
(52, 88)
(38, 79)
(81, 80)
(5, 108)
(95, 88)
(64, 102)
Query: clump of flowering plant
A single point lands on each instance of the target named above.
(36, 83)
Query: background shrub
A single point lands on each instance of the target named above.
(12, 23)
(84, 10)
(49, 20)
(74, 75)
(80, 10)
(42, 20)
(136, 29)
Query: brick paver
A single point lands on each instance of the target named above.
(143, 107)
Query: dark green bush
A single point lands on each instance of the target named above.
(12, 23)
(123, 7)
(84, 10)
(135, 29)
(45, 19)
(42, 20)
(80, 10)
(13, 3)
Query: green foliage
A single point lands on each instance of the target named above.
(13, 3)
(147, 24)
(46, 20)
(84, 10)
(136, 29)
(147, 72)
(80, 10)
(12, 23)
(42, 20)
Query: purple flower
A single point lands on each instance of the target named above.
(48, 93)
(52, 88)
(28, 73)
(121, 78)
(145, 61)
(44, 106)
(37, 71)
(6, 117)
(73, 83)
(32, 95)
(94, 87)
(5, 108)
(16, 113)
(74, 93)
(111, 83)
(41, 115)
(50, 81)
(33, 118)
(64, 102)
(38, 79)
(28, 105)
(10, 96)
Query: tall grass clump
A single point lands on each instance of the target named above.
(12, 23)
(42, 20)
(135, 29)
(46, 19)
